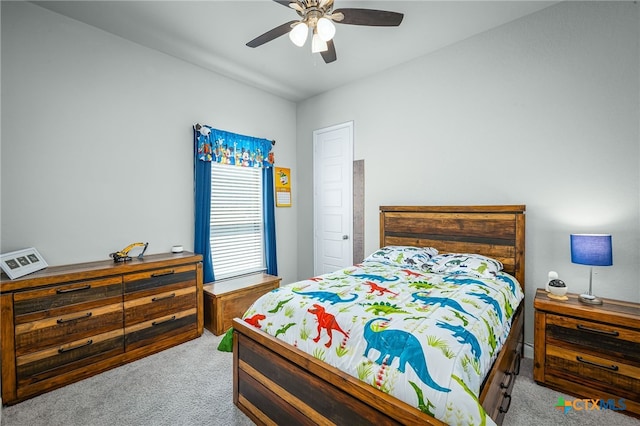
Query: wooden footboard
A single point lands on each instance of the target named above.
(275, 384)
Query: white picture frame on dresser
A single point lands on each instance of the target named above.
(19, 263)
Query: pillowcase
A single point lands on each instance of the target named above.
(403, 256)
(465, 264)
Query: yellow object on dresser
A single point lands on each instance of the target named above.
(225, 300)
(66, 323)
(590, 351)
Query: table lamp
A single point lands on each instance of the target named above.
(592, 250)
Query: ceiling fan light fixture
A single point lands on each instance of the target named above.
(298, 35)
(317, 44)
(326, 29)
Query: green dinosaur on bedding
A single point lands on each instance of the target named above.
(387, 308)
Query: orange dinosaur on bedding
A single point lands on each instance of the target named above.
(411, 273)
(381, 290)
(326, 321)
(254, 320)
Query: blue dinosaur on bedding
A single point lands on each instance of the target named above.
(463, 336)
(508, 280)
(457, 280)
(373, 277)
(324, 296)
(491, 301)
(399, 344)
(442, 301)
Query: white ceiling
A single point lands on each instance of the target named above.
(212, 34)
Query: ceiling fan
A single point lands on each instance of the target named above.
(319, 16)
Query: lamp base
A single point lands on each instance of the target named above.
(590, 299)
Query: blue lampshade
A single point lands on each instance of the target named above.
(591, 249)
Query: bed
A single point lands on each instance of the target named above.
(276, 382)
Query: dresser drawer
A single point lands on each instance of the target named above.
(162, 328)
(150, 282)
(158, 305)
(50, 362)
(35, 304)
(66, 327)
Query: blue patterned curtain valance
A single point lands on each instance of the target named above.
(232, 148)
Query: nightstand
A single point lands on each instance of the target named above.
(588, 351)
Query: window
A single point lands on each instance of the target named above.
(237, 243)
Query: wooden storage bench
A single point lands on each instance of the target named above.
(228, 299)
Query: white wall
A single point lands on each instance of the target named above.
(542, 111)
(97, 140)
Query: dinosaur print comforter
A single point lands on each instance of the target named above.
(428, 339)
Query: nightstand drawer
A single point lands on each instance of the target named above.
(594, 338)
(605, 373)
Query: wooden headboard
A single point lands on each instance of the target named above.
(493, 231)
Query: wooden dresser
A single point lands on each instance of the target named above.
(67, 323)
(589, 351)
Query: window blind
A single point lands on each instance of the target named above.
(237, 245)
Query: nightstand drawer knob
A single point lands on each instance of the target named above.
(608, 367)
(595, 330)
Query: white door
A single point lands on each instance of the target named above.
(333, 198)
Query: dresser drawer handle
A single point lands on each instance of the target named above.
(595, 330)
(63, 320)
(162, 274)
(504, 410)
(510, 376)
(63, 350)
(608, 367)
(69, 290)
(173, 318)
(158, 299)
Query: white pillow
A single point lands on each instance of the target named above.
(465, 264)
(403, 256)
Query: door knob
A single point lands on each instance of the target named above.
(345, 237)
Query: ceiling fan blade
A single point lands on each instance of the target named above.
(329, 55)
(285, 3)
(369, 17)
(271, 34)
